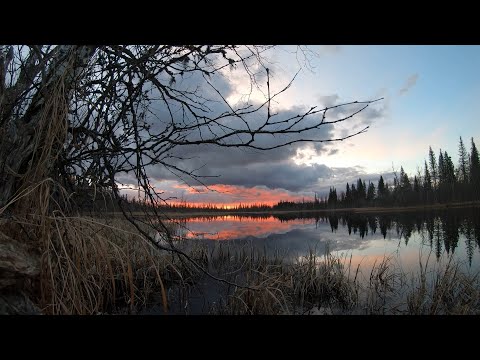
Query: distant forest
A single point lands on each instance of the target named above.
(439, 182)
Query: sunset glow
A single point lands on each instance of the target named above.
(231, 196)
(423, 88)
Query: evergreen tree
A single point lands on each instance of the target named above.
(463, 168)
(332, 197)
(348, 195)
(433, 167)
(354, 195)
(450, 179)
(440, 177)
(381, 187)
(433, 172)
(361, 192)
(474, 171)
(370, 193)
(441, 168)
(416, 188)
(404, 180)
(427, 184)
(405, 187)
(387, 195)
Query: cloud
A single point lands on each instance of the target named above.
(278, 175)
(262, 184)
(411, 81)
(328, 100)
(365, 117)
(286, 168)
(274, 171)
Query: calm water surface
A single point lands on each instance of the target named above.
(435, 236)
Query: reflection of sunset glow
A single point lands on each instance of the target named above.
(234, 227)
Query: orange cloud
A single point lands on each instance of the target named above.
(230, 196)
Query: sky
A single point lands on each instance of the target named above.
(430, 98)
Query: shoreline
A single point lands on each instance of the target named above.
(456, 205)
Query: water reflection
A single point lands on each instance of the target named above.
(444, 232)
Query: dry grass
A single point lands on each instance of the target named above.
(328, 285)
(447, 291)
(87, 266)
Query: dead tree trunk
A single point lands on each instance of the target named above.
(22, 137)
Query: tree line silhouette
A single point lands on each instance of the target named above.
(439, 182)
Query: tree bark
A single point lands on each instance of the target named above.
(20, 137)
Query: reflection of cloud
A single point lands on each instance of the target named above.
(292, 239)
(411, 81)
(231, 227)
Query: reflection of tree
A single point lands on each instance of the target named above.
(437, 234)
(363, 226)
(469, 239)
(442, 228)
(385, 224)
(333, 220)
(372, 223)
(429, 224)
(404, 226)
(419, 221)
(450, 232)
(476, 222)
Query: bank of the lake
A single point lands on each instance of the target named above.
(375, 209)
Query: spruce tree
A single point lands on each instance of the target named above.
(450, 179)
(463, 161)
(381, 187)
(370, 192)
(416, 187)
(427, 184)
(441, 177)
(348, 195)
(474, 171)
(433, 168)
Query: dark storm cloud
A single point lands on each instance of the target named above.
(282, 175)
(287, 176)
(248, 167)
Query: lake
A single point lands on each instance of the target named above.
(417, 244)
(433, 236)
